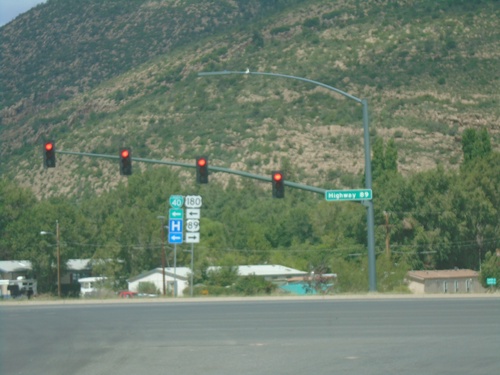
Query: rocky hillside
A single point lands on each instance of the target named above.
(96, 76)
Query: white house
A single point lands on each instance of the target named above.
(271, 272)
(12, 270)
(90, 285)
(155, 276)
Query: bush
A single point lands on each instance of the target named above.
(148, 287)
(252, 285)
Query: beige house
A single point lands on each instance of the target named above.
(444, 281)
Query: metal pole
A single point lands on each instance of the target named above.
(192, 269)
(372, 275)
(175, 270)
(58, 261)
(210, 168)
(163, 253)
(162, 218)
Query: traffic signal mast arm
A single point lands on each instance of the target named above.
(191, 165)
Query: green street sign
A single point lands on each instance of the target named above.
(176, 201)
(491, 281)
(176, 213)
(348, 195)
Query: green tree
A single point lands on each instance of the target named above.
(223, 276)
(490, 268)
(14, 203)
(385, 158)
(391, 156)
(475, 144)
(378, 158)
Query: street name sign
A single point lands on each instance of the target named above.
(348, 195)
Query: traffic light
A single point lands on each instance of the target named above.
(125, 162)
(202, 170)
(49, 154)
(278, 184)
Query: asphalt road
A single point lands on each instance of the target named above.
(373, 336)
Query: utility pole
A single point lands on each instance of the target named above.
(387, 235)
(58, 261)
(162, 218)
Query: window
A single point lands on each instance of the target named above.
(456, 286)
(445, 284)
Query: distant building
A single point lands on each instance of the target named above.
(91, 286)
(444, 281)
(74, 269)
(11, 271)
(271, 272)
(155, 276)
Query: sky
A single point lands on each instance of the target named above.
(10, 9)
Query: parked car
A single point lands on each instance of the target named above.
(127, 294)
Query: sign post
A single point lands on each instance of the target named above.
(193, 205)
(175, 229)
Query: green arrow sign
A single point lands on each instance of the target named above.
(348, 195)
(175, 213)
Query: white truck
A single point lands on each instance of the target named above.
(20, 287)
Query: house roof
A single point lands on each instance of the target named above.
(79, 264)
(91, 279)
(442, 274)
(180, 272)
(14, 265)
(266, 270)
(25, 265)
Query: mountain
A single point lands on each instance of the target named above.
(99, 75)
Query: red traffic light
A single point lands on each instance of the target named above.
(125, 162)
(277, 176)
(278, 182)
(201, 162)
(202, 170)
(49, 154)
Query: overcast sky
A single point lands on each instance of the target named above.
(10, 9)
